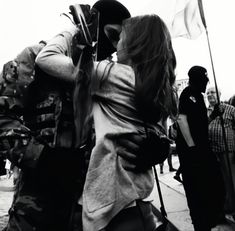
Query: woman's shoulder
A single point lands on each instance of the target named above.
(111, 68)
(115, 64)
(123, 69)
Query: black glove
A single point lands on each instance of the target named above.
(141, 153)
(154, 150)
(218, 111)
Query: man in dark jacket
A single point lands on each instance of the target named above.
(202, 178)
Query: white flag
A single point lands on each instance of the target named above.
(187, 21)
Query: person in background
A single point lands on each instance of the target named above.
(172, 133)
(202, 178)
(174, 129)
(177, 175)
(216, 110)
(231, 101)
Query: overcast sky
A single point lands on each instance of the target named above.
(26, 22)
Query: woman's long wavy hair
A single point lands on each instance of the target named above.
(148, 46)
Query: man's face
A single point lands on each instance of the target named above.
(113, 31)
(211, 96)
(203, 86)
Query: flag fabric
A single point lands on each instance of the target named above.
(202, 12)
(189, 21)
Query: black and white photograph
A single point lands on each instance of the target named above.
(117, 115)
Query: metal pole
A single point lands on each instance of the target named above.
(221, 116)
(162, 208)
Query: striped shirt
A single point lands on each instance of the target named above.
(215, 130)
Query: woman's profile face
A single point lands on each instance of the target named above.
(121, 48)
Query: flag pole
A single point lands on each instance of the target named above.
(217, 93)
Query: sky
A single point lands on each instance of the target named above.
(26, 22)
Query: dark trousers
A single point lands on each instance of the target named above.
(204, 191)
(169, 161)
(137, 218)
(45, 197)
(229, 182)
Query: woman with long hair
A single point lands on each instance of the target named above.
(133, 95)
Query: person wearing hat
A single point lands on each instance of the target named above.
(202, 179)
(46, 196)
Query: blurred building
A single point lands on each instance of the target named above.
(180, 85)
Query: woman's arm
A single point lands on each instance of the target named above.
(55, 58)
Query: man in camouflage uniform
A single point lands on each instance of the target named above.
(38, 132)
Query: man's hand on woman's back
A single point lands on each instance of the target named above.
(141, 153)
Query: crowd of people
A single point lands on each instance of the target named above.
(85, 130)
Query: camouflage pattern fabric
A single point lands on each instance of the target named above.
(45, 197)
